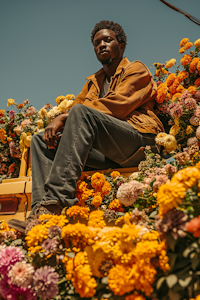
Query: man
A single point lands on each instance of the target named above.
(109, 121)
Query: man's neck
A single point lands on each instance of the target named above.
(111, 68)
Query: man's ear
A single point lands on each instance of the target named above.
(122, 47)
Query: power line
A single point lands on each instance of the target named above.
(190, 17)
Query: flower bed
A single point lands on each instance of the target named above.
(132, 238)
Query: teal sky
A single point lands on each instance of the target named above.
(46, 50)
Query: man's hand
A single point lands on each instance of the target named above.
(50, 135)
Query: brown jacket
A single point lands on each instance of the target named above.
(130, 96)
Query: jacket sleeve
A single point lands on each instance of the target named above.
(81, 97)
(135, 88)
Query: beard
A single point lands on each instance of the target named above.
(106, 61)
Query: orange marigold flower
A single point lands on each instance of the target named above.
(96, 201)
(197, 43)
(179, 89)
(96, 219)
(12, 167)
(134, 297)
(115, 174)
(75, 211)
(170, 63)
(194, 226)
(97, 180)
(186, 59)
(162, 93)
(170, 79)
(188, 45)
(2, 112)
(198, 66)
(193, 64)
(188, 177)
(176, 96)
(183, 75)
(182, 50)
(20, 105)
(192, 90)
(197, 82)
(106, 188)
(157, 73)
(3, 135)
(183, 42)
(116, 205)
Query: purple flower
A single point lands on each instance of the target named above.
(12, 114)
(173, 221)
(45, 282)
(54, 231)
(8, 257)
(49, 245)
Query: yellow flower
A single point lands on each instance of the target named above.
(134, 297)
(96, 201)
(106, 188)
(40, 123)
(188, 177)
(3, 135)
(64, 105)
(78, 235)
(10, 102)
(116, 205)
(42, 113)
(183, 42)
(70, 96)
(97, 180)
(197, 43)
(182, 50)
(75, 211)
(186, 59)
(189, 129)
(53, 220)
(170, 63)
(83, 281)
(192, 90)
(69, 266)
(36, 235)
(27, 141)
(95, 260)
(169, 142)
(188, 45)
(96, 219)
(174, 130)
(169, 195)
(59, 99)
(159, 139)
(115, 174)
(176, 97)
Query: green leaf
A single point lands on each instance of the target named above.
(195, 262)
(173, 296)
(17, 242)
(153, 214)
(172, 259)
(71, 254)
(184, 283)
(171, 280)
(171, 241)
(160, 282)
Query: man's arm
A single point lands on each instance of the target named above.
(136, 88)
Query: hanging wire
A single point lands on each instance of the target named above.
(190, 17)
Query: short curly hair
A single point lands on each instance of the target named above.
(118, 30)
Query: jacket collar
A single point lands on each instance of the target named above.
(123, 64)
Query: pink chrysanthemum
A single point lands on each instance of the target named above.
(175, 110)
(129, 192)
(8, 257)
(197, 112)
(30, 111)
(13, 292)
(185, 95)
(45, 282)
(197, 96)
(198, 132)
(11, 114)
(21, 274)
(190, 103)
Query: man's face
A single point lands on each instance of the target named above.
(106, 46)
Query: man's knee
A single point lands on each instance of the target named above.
(78, 109)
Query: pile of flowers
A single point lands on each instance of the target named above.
(127, 237)
(17, 127)
(178, 96)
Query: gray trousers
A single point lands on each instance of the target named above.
(89, 138)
